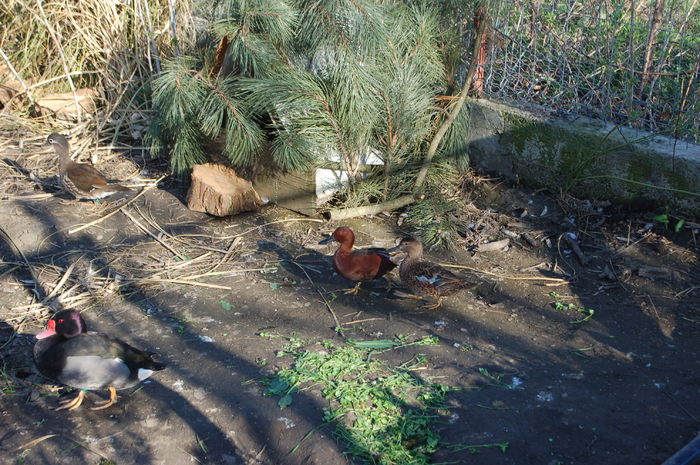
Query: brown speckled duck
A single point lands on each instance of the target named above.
(358, 265)
(80, 179)
(424, 277)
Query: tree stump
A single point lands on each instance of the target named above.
(217, 190)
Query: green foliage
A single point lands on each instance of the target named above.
(393, 411)
(558, 305)
(434, 220)
(455, 144)
(191, 108)
(257, 31)
(336, 80)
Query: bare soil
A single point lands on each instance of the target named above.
(622, 387)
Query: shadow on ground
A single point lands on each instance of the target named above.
(621, 387)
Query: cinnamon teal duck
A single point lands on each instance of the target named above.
(68, 353)
(80, 179)
(358, 265)
(424, 277)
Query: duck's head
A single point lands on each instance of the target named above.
(342, 234)
(57, 141)
(410, 245)
(67, 323)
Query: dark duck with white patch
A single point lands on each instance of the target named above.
(68, 353)
(424, 277)
(80, 179)
(358, 265)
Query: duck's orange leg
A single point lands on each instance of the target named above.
(407, 295)
(107, 403)
(433, 306)
(355, 290)
(72, 404)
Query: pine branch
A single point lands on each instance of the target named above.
(420, 179)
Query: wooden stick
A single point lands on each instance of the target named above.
(100, 220)
(345, 213)
(316, 220)
(147, 231)
(34, 442)
(177, 281)
(577, 250)
(228, 253)
(362, 321)
(63, 280)
(187, 262)
(522, 278)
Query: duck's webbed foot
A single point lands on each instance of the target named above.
(107, 403)
(355, 290)
(72, 404)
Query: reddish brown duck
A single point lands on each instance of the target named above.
(80, 179)
(358, 265)
(424, 277)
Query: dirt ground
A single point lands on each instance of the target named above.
(621, 387)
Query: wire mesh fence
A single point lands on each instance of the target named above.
(634, 63)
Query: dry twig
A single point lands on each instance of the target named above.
(114, 212)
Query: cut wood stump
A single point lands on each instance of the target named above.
(217, 190)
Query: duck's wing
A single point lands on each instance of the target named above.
(375, 251)
(433, 273)
(442, 280)
(379, 257)
(85, 177)
(95, 360)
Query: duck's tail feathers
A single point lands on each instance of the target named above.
(118, 188)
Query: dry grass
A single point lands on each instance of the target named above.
(112, 47)
(111, 270)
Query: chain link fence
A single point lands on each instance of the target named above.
(634, 63)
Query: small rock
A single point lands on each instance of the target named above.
(33, 396)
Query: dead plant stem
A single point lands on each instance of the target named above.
(100, 220)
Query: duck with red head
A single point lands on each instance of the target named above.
(425, 277)
(358, 265)
(70, 354)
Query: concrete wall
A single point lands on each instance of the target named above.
(590, 158)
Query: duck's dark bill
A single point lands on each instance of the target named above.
(326, 240)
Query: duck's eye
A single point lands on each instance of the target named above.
(60, 320)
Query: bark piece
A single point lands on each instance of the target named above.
(217, 190)
(63, 105)
(493, 246)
